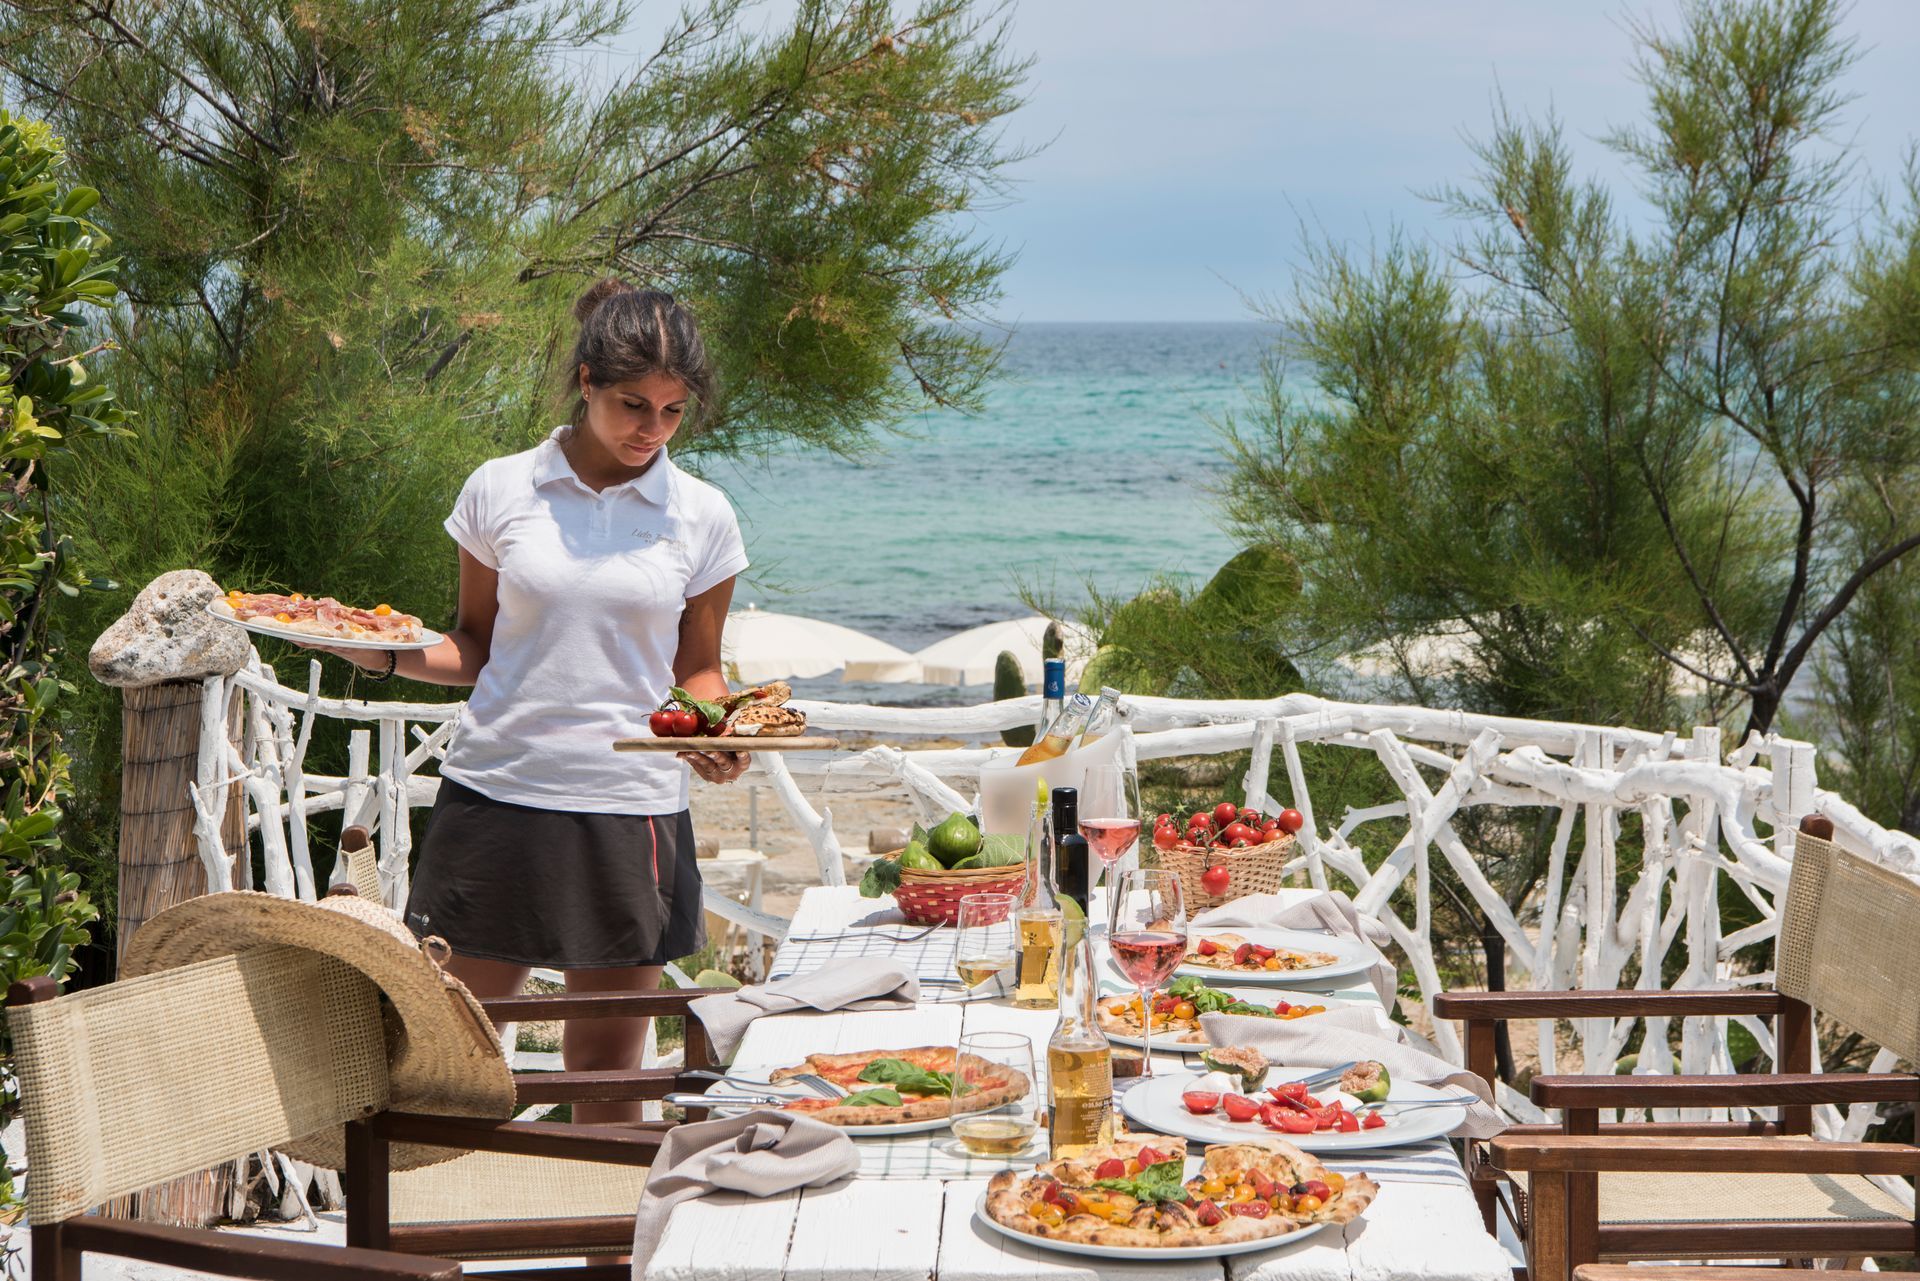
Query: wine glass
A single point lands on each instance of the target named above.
(996, 1097)
(983, 941)
(1110, 815)
(1147, 934)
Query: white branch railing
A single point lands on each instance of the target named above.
(1700, 815)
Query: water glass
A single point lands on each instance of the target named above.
(996, 1096)
(983, 942)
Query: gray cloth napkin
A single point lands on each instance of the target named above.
(864, 983)
(760, 1153)
(1329, 1040)
(1329, 910)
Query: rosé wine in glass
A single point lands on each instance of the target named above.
(1110, 838)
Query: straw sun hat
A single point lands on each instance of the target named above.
(443, 1054)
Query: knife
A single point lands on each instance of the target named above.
(728, 1100)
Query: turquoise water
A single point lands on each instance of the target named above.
(1088, 463)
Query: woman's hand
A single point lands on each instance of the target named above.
(716, 767)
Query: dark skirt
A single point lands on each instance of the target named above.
(507, 882)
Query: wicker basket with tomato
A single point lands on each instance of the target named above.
(1226, 852)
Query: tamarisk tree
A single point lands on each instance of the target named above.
(1616, 446)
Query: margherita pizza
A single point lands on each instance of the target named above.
(1242, 1192)
(325, 617)
(1231, 952)
(886, 1087)
(1176, 1011)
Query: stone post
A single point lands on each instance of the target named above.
(160, 654)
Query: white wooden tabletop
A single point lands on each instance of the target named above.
(910, 1212)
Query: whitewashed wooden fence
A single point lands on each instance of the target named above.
(1701, 811)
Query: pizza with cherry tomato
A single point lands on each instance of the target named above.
(1234, 954)
(887, 1087)
(1175, 1011)
(1134, 1193)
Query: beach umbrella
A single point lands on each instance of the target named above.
(968, 658)
(760, 646)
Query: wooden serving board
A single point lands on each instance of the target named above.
(729, 743)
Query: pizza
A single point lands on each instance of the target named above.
(1241, 1192)
(325, 617)
(1176, 1010)
(1231, 952)
(887, 1087)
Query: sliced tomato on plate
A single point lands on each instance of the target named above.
(1239, 1107)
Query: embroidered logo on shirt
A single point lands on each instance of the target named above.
(651, 536)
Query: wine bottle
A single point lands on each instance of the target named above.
(1037, 924)
(1053, 693)
(1060, 732)
(1106, 713)
(1069, 848)
(1079, 1062)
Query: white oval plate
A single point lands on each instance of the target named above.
(1355, 955)
(1260, 996)
(1156, 1104)
(224, 612)
(1141, 1251)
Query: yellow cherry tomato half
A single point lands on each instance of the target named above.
(283, 617)
(1242, 1192)
(1271, 963)
(383, 610)
(1047, 1212)
(1306, 1204)
(1338, 1182)
(1184, 1010)
(1213, 1187)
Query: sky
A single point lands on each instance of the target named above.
(1189, 144)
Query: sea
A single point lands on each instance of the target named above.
(1090, 466)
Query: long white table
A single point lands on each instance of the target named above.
(910, 1212)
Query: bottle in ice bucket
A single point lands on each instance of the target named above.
(1037, 923)
(1060, 732)
(1079, 1062)
(1106, 713)
(1053, 691)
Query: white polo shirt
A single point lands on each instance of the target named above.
(592, 586)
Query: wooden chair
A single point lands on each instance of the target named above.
(150, 1079)
(154, 1077)
(1583, 1191)
(1701, 1272)
(525, 1188)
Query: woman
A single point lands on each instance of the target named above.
(594, 575)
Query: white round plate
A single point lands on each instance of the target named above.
(267, 627)
(1156, 1105)
(1256, 996)
(1141, 1251)
(1354, 955)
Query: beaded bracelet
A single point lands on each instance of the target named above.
(393, 660)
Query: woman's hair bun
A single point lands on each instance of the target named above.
(597, 293)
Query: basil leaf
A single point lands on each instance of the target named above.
(905, 1076)
(879, 1097)
(1163, 1182)
(712, 713)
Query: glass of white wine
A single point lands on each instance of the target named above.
(983, 943)
(996, 1107)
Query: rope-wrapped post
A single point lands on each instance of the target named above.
(170, 658)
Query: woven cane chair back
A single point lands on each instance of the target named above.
(1849, 944)
(150, 1078)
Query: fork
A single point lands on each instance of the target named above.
(848, 933)
(819, 1085)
